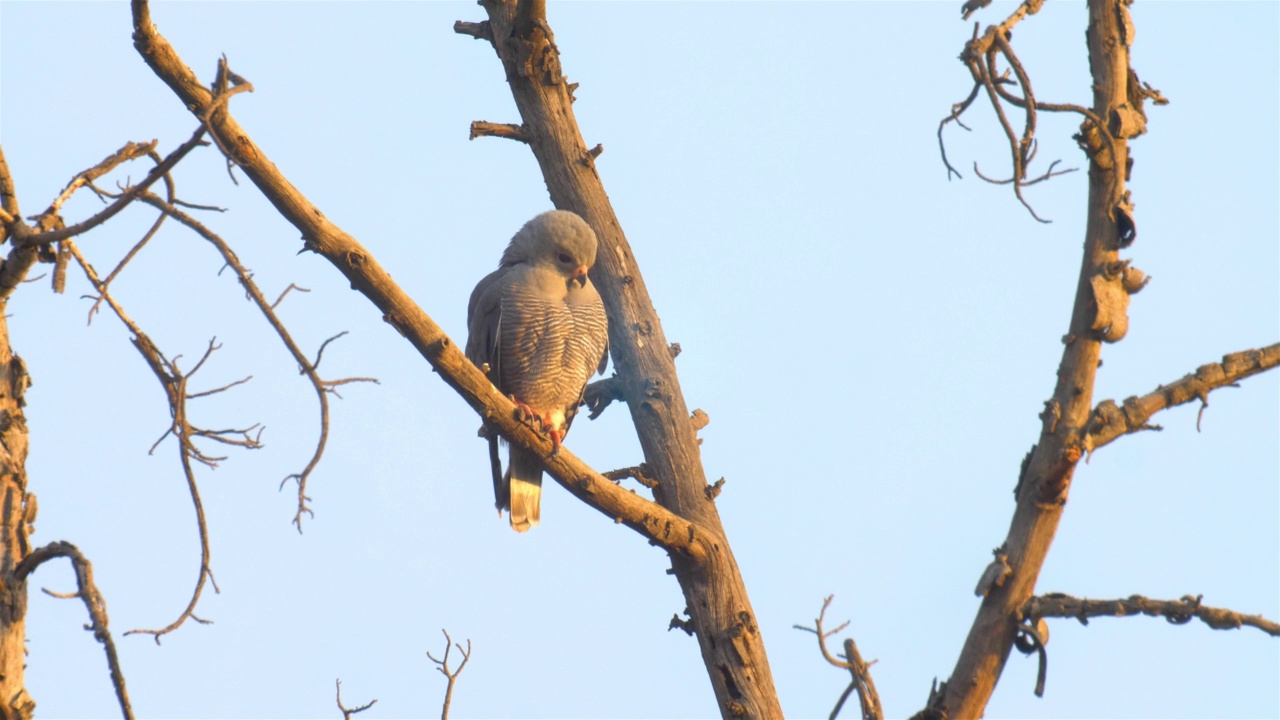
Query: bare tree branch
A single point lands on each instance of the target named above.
(321, 386)
(479, 31)
(859, 671)
(174, 383)
(88, 592)
(640, 473)
(956, 111)
(1177, 612)
(158, 172)
(346, 711)
(280, 299)
(1098, 315)
(480, 128)
(1109, 421)
(451, 675)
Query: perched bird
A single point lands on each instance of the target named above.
(539, 325)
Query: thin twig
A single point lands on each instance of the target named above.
(307, 368)
(1050, 173)
(123, 200)
(443, 667)
(956, 111)
(859, 671)
(348, 712)
(280, 299)
(174, 383)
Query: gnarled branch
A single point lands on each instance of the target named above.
(1177, 612)
(1109, 420)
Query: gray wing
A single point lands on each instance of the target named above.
(484, 322)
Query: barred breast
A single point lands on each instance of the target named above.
(551, 343)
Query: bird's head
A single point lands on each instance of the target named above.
(557, 239)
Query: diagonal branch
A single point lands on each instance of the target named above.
(664, 528)
(1110, 421)
(128, 196)
(1177, 612)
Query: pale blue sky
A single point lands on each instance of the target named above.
(872, 343)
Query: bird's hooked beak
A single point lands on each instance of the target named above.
(580, 276)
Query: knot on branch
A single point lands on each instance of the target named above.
(510, 131)
(533, 46)
(1111, 306)
(480, 31)
(640, 473)
(995, 574)
(713, 490)
(678, 623)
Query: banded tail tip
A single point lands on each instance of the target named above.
(526, 501)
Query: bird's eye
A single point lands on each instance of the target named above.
(564, 258)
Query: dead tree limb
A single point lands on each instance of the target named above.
(442, 664)
(1099, 314)
(859, 670)
(1109, 420)
(321, 386)
(174, 383)
(88, 593)
(1176, 612)
(346, 711)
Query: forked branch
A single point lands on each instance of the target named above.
(306, 367)
(859, 671)
(346, 711)
(442, 665)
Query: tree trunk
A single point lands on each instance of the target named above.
(1046, 477)
(14, 502)
(717, 603)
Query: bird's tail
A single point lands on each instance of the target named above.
(523, 489)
